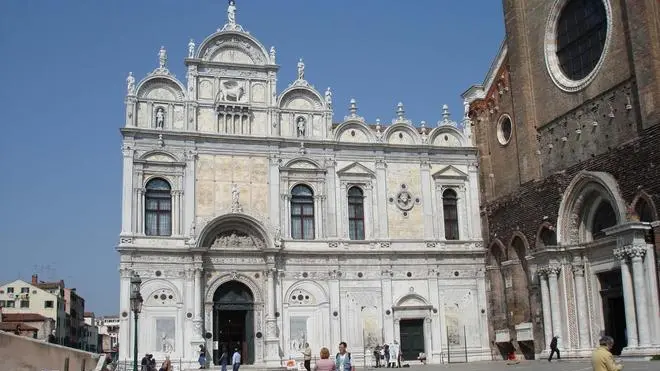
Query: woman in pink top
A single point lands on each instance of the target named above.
(325, 364)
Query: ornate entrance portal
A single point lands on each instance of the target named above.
(233, 321)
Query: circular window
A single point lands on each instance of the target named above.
(504, 130)
(577, 37)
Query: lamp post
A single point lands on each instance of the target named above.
(136, 308)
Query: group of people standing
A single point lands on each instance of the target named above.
(224, 360)
(148, 363)
(388, 355)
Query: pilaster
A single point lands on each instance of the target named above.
(553, 273)
(628, 298)
(381, 191)
(335, 304)
(636, 254)
(582, 310)
(125, 307)
(388, 324)
(545, 302)
(331, 186)
(427, 205)
(127, 189)
(473, 200)
(189, 193)
(274, 189)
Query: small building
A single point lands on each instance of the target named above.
(43, 326)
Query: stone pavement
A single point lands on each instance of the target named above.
(537, 365)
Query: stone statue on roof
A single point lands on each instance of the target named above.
(231, 12)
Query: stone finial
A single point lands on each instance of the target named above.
(162, 58)
(400, 112)
(379, 134)
(353, 109)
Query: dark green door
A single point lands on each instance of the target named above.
(412, 338)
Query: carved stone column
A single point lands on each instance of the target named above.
(342, 222)
(139, 215)
(335, 305)
(273, 190)
(272, 357)
(198, 297)
(381, 190)
(462, 213)
(285, 222)
(331, 191)
(388, 326)
(636, 253)
(553, 273)
(319, 216)
(125, 352)
(628, 297)
(581, 295)
(545, 302)
(427, 337)
(175, 212)
(127, 190)
(427, 205)
(189, 192)
(368, 210)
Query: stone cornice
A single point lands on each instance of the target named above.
(325, 144)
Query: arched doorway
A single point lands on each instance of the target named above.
(233, 321)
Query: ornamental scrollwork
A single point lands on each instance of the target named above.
(404, 199)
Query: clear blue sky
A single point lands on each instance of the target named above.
(63, 68)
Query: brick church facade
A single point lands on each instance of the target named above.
(567, 127)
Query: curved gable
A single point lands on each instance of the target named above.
(355, 132)
(302, 163)
(233, 47)
(402, 134)
(162, 88)
(160, 156)
(301, 98)
(446, 136)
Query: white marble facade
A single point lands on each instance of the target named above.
(228, 150)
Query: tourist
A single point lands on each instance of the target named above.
(145, 363)
(343, 360)
(395, 355)
(386, 354)
(554, 349)
(167, 365)
(377, 355)
(236, 360)
(224, 358)
(202, 356)
(307, 356)
(602, 358)
(325, 363)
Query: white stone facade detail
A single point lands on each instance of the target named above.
(232, 150)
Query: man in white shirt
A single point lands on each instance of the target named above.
(236, 360)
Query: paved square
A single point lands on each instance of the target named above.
(538, 365)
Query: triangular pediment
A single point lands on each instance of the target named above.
(449, 172)
(356, 169)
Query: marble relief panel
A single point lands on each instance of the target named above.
(207, 120)
(400, 225)
(165, 334)
(143, 116)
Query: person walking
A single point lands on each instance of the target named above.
(202, 356)
(224, 359)
(343, 361)
(236, 360)
(307, 357)
(554, 349)
(602, 358)
(325, 363)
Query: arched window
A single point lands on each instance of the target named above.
(302, 213)
(355, 213)
(158, 208)
(604, 217)
(450, 209)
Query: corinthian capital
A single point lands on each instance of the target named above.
(620, 253)
(636, 251)
(578, 269)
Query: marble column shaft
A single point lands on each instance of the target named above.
(270, 286)
(427, 338)
(553, 272)
(547, 311)
(641, 304)
(127, 198)
(581, 294)
(629, 302)
(198, 294)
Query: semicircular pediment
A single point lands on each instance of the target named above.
(161, 88)
(233, 47)
(301, 98)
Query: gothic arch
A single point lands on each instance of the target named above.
(400, 126)
(546, 231)
(579, 199)
(218, 281)
(152, 285)
(356, 125)
(318, 291)
(241, 221)
(525, 245)
(496, 251)
(643, 197)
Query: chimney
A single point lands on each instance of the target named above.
(35, 279)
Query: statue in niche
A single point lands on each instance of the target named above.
(272, 54)
(231, 12)
(301, 69)
(160, 118)
(300, 126)
(162, 57)
(130, 83)
(191, 49)
(328, 97)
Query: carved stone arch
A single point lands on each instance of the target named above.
(545, 235)
(159, 155)
(436, 137)
(246, 44)
(233, 221)
(168, 178)
(161, 84)
(579, 199)
(644, 200)
(315, 289)
(218, 281)
(402, 127)
(525, 245)
(302, 163)
(412, 299)
(149, 286)
(497, 251)
(301, 98)
(349, 126)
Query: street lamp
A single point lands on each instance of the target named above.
(136, 308)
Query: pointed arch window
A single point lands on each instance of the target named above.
(450, 210)
(356, 213)
(158, 208)
(302, 213)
